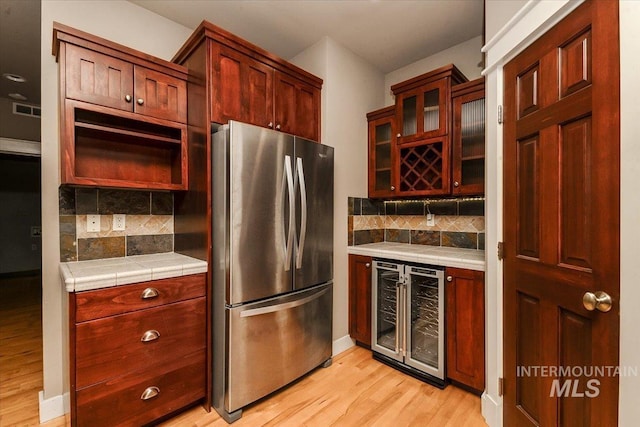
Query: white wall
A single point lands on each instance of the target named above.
(498, 13)
(466, 56)
(629, 407)
(352, 88)
(121, 22)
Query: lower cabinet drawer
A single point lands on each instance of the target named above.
(114, 346)
(120, 402)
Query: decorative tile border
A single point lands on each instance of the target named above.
(457, 223)
(149, 223)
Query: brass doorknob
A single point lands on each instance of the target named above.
(600, 301)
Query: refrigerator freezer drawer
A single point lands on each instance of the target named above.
(274, 342)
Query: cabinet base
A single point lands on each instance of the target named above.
(422, 376)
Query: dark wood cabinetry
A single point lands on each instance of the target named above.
(416, 159)
(383, 175)
(249, 84)
(360, 299)
(137, 351)
(468, 138)
(464, 310)
(122, 115)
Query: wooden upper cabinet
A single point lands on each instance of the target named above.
(297, 107)
(104, 80)
(423, 105)
(248, 84)
(468, 138)
(383, 174)
(123, 115)
(159, 95)
(242, 88)
(98, 79)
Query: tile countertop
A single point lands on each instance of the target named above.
(104, 273)
(435, 255)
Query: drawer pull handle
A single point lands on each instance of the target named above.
(150, 393)
(149, 293)
(150, 335)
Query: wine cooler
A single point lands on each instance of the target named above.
(408, 318)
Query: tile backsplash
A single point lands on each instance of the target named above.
(148, 229)
(457, 223)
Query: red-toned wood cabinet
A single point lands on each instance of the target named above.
(464, 314)
(123, 115)
(242, 88)
(360, 299)
(297, 107)
(137, 352)
(383, 175)
(468, 138)
(420, 146)
(249, 84)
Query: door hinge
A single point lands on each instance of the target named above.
(500, 250)
(499, 114)
(500, 386)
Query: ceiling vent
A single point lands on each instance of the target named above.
(26, 110)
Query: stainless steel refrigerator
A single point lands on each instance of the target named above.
(272, 262)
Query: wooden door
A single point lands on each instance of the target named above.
(360, 299)
(241, 89)
(160, 95)
(465, 327)
(98, 79)
(561, 204)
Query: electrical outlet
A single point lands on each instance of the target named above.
(93, 223)
(119, 222)
(431, 220)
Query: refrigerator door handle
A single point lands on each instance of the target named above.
(303, 211)
(288, 175)
(284, 306)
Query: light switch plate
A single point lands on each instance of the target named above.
(93, 223)
(119, 222)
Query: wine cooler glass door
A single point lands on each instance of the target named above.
(425, 314)
(387, 311)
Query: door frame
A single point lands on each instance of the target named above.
(527, 25)
(534, 19)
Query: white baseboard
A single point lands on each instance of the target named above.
(491, 410)
(342, 344)
(53, 407)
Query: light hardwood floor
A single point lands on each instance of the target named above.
(355, 391)
(21, 352)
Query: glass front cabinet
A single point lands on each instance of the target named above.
(382, 153)
(468, 138)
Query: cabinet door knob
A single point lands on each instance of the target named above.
(140, 101)
(127, 98)
(393, 188)
(456, 184)
(150, 393)
(150, 335)
(149, 293)
(449, 279)
(399, 135)
(270, 125)
(368, 265)
(277, 127)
